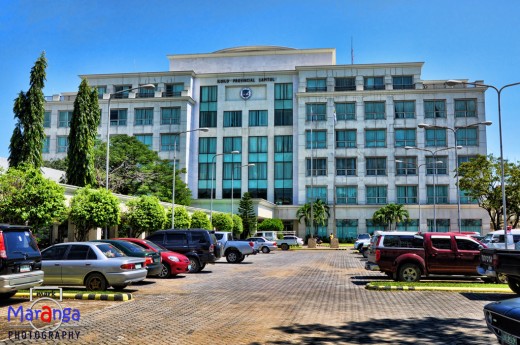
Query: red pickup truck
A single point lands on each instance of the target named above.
(407, 257)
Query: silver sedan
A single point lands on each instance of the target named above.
(93, 265)
(263, 244)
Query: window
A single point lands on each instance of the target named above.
(207, 145)
(403, 82)
(471, 225)
(410, 225)
(47, 119)
(64, 118)
(441, 194)
(464, 159)
(316, 112)
(257, 118)
(283, 104)
(232, 144)
(257, 184)
(169, 141)
(232, 119)
(206, 171)
(441, 242)
(282, 170)
(403, 241)
(146, 139)
(208, 106)
(283, 144)
(467, 136)
(404, 137)
(435, 109)
(101, 90)
(465, 108)
(404, 109)
(434, 168)
(80, 252)
(46, 144)
(283, 196)
(347, 228)
(122, 91)
(375, 138)
(145, 92)
(346, 138)
(173, 90)
(376, 195)
(143, 117)
(170, 116)
(319, 167)
(374, 110)
(176, 239)
(118, 117)
(443, 225)
(345, 111)
(376, 166)
(316, 139)
(345, 84)
(257, 145)
(316, 84)
(316, 193)
(346, 195)
(435, 136)
(371, 226)
(466, 199)
(464, 243)
(374, 83)
(346, 166)
(407, 194)
(62, 144)
(406, 166)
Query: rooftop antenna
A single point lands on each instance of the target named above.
(351, 50)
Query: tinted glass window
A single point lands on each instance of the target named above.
(218, 236)
(466, 244)
(176, 239)
(441, 243)
(516, 238)
(156, 238)
(198, 237)
(54, 253)
(18, 243)
(110, 251)
(133, 248)
(78, 252)
(403, 241)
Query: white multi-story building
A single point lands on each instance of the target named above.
(351, 135)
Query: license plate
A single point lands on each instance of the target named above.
(138, 266)
(487, 259)
(25, 268)
(189, 267)
(156, 260)
(508, 338)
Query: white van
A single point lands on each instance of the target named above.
(495, 239)
(269, 235)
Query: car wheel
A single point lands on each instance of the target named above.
(242, 258)
(195, 265)
(165, 271)
(409, 273)
(514, 284)
(364, 252)
(119, 287)
(202, 267)
(359, 247)
(7, 295)
(265, 250)
(233, 256)
(502, 279)
(284, 246)
(96, 282)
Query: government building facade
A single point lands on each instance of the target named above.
(291, 126)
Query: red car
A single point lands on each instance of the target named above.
(172, 263)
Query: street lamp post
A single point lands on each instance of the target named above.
(454, 131)
(232, 180)
(174, 171)
(213, 180)
(434, 154)
(502, 182)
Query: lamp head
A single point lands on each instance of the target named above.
(148, 86)
(486, 123)
(409, 147)
(424, 125)
(203, 129)
(235, 152)
(458, 147)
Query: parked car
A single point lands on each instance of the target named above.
(234, 251)
(362, 242)
(95, 265)
(503, 319)
(262, 244)
(152, 259)
(269, 235)
(288, 241)
(20, 260)
(497, 263)
(495, 239)
(172, 263)
(199, 245)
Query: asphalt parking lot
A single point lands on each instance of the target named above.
(293, 297)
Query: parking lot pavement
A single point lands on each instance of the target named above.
(287, 297)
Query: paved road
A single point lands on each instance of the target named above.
(294, 297)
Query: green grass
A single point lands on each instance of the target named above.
(439, 284)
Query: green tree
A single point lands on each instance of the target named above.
(273, 224)
(27, 140)
(83, 132)
(92, 208)
(145, 214)
(238, 226)
(248, 215)
(27, 197)
(182, 218)
(200, 220)
(222, 221)
(391, 214)
(315, 213)
(304, 213)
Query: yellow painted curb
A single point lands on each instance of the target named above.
(436, 288)
(88, 296)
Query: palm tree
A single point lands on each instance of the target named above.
(391, 214)
(320, 213)
(304, 212)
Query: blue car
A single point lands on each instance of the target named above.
(503, 319)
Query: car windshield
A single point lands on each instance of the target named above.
(219, 236)
(134, 248)
(487, 239)
(20, 243)
(363, 236)
(110, 251)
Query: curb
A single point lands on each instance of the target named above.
(123, 297)
(436, 288)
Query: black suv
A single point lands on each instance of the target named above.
(20, 260)
(199, 245)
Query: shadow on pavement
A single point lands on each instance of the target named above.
(430, 330)
(492, 297)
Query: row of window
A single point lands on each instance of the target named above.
(369, 83)
(123, 91)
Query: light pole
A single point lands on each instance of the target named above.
(454, 131)
(232, 180)
(213, 179)
(174, 158)
(147, 86)
(434, 154)
(419, 182)
(502, 183)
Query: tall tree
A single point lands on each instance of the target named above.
(314, 213)
(27, 140)
(83, 131)
(248, 215)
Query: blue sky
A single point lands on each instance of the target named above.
(463, 39)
